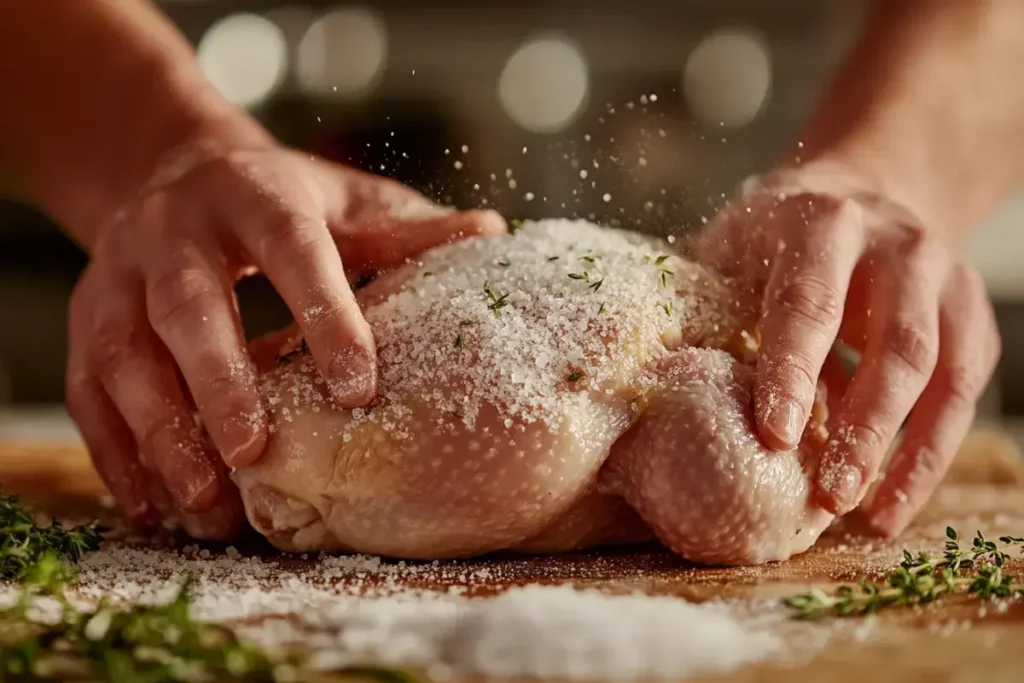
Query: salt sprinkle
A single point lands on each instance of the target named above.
(360, 609)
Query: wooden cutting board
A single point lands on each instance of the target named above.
(959, 640)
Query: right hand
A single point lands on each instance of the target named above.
(834, 259)
(155, 332)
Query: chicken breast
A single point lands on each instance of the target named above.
(562, 387)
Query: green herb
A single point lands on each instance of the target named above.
(661, 259)
(667, 307)
(515, 226)
(589, 259)
(137, 643)
(458, 341)
(552, 258)
(601, 309)
(23, 544)
(921, 579)
(428, 273)
(575, 376)
(504, 264)
(580, 276)
(497, 302)
(665, 272)
(287, 358)
(129, 643)
(596, 285)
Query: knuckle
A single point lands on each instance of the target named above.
(174, 294)
(870, 438)
(810, 298)
(290, 234)
(914, 344)
(150, 435)
(966, 382)
(319, 318)
(224, 387)
(111, 344)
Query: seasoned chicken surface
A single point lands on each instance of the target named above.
(562, 387)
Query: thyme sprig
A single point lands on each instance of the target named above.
(124, 643)
(921, 579)
(24, 544)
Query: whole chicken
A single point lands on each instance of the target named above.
(562, 387)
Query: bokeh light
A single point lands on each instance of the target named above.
(245, 56)
(544, 84)
(343, 53)
(728, 78)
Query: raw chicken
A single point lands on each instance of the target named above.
(563, 387)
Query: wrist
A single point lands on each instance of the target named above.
(885, 195)
(172, 114)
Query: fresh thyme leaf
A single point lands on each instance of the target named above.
(601, 309)
(497, 302)
(458, 341)
(667, 307)
(665, 272)
(24, 544)
(596, 285)
(661, 259)
(922, 578)
(588, 258)
(428, 273)
(515, 226)
(552, 258)
(575, 376)
(504, 264)
(580, 276)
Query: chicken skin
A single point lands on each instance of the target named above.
(563, 387)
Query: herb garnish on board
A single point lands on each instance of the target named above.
(124, 643)
(977, 571)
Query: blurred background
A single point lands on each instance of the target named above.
(644, 114)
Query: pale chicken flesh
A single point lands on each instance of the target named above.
(562, 387)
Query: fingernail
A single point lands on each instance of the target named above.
(841, 484)
(786, 422)
(893, 516)
(199, 493)
(242, 439)
(353, 377)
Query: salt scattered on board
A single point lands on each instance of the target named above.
(360, 609)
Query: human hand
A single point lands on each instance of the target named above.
(155, 333)
(832, 260)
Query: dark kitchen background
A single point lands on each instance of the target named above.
(644, 114)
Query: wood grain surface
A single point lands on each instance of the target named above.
(959, 640)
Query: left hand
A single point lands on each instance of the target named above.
(833, 260)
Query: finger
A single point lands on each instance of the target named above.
(803, 308)
(898, 362)
(105, 434)
(222, 523)
(138, 374)
(193, 310)
(298, 255)
(390, 242)
(941, 419)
